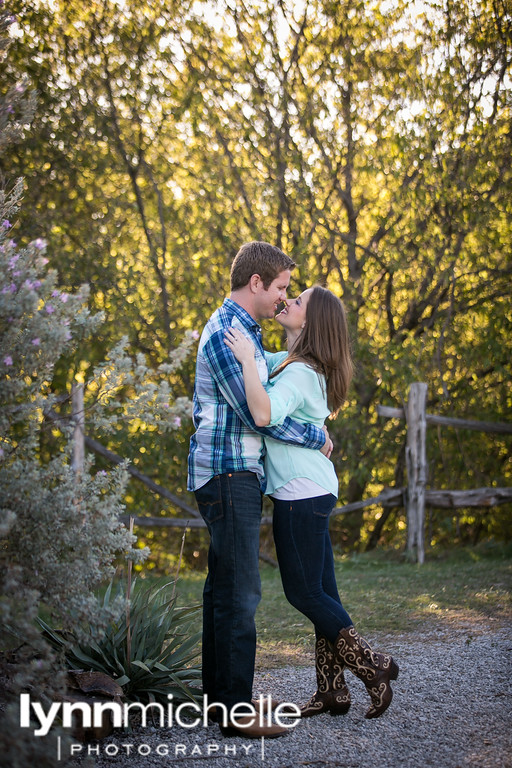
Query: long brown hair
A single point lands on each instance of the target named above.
(324, 345)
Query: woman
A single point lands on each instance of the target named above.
(310, 383)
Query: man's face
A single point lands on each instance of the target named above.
(266, 301)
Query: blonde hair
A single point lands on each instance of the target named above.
(324, 344)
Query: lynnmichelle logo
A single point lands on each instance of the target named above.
(210, 749)
(186, 715)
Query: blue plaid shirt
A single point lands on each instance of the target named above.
(226, 437)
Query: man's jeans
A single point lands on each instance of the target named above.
(230, 505)
(306, 562)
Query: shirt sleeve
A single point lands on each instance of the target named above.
(286, 397)
(227, 374)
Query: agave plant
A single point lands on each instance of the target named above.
(148, 651)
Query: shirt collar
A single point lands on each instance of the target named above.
(242, 315)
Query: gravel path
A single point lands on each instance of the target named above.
(452, 708)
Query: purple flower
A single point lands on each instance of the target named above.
(50, 309)
(195, 335)
(29, 284)
(6, 224)
(7, 360)
(39, 243)
(177, 422)
(55, 294)
(36, 342)
(64, 297)
(13, 260)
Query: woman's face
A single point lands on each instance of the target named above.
(293, 316)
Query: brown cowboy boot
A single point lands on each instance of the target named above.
(332, 694)
(379, 660)
(353, 651)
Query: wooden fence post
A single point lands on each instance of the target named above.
(416, 461)
(78, 416)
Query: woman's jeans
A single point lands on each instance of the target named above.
(306, 562)
(230, 505)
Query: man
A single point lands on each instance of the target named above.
(227, 476)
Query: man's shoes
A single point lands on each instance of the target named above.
(249, 728)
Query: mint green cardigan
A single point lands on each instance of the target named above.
(297, 391)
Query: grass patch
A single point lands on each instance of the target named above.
(384, 595)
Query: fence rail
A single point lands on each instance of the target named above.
(477, 497)
(498, 427)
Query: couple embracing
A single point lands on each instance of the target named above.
(259, 420)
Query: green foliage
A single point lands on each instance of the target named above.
(147, 649)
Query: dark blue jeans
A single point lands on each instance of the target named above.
(306, 562)
(230, 505)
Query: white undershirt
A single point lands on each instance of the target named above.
(299, 488)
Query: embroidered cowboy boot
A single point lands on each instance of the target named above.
(353, 651)
(379, 660)
(332, 694)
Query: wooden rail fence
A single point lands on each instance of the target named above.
(415, 497)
